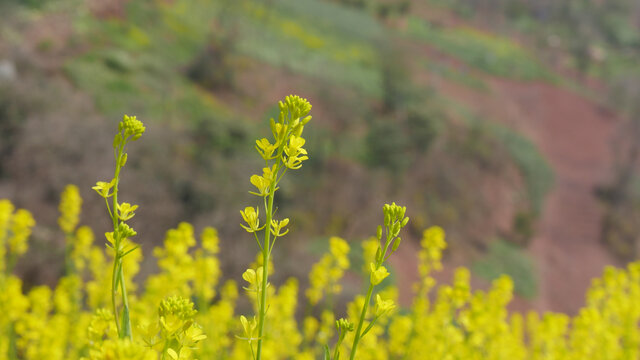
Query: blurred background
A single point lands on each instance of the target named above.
(513, 124)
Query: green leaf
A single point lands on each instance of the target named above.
(126, 323)
(327, 354)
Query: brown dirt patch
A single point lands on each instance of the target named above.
(575, 136)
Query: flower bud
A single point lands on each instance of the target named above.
(344, 325)
(396, 244)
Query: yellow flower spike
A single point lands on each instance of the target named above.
(176, 314)
(171, 324)
(249, 276)
(120, 349)
(172, 353)
(149, 331)
(82, 247)
(249, 328)
(129, 129)
(265, 148)
(6, 209)
(254, 278)
(70, 205)
(338, 247)
(125, 231)
(21, 226)
(288, 145)
(295, 153)
(298, 126)
(279, 132)
(126, 211)
(100, 325)
(383, 306)
(297, 106)
(309, 328)
(261, 184)
(461, 288)
(6, 212)
(432, 243)
(194, 335)
(325, 275)
(295, 146)
(132, 127)
(379, 274)
(269, 173)
(295, 163)
(250, 216)
(103, 188)
(433, 237)
(277, 226)
(344, 325)
(369, 249)
(210, 240)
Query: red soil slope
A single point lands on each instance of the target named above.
(574, 135)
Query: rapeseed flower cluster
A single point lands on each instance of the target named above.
(325, 276)
(73, 320)
(184, 311)
(284, 152)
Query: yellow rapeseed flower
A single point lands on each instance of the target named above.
(377, 275)
(70, 207)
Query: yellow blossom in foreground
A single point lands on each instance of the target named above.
(379, 274)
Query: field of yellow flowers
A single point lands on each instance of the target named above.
(97, 311)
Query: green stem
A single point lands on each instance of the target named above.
(356, 338)
(266, 246)
(118, 272)
(126, 321)
(68, 262)
(379, 262)
(164, 349)
(266, 251)
(253, 354)
(116, 245)
(265, 270)
(11, 263)
(336, 351)
(13, 351)
(114, 278)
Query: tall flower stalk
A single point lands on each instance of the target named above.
(129, 129)
(285, 153)
(394, 221)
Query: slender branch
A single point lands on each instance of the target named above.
(265, 270)
(126, 321)
(357, 336)
(113, 294)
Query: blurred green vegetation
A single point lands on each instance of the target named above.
(506, 258)
(295, 35)
(135, 61)
(488, 52)
(535, 170)
(200, 72)
(461, 76)
(595, 45)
